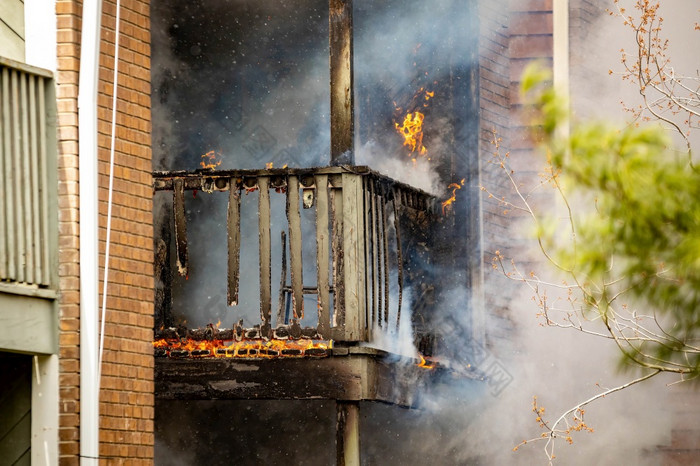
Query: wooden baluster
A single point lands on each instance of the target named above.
(322, 244)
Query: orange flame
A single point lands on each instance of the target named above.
(411, 129)
(268, 165)
(412, 132)
(246, 348)
(210, 160)
(454, 187)
(424, 363)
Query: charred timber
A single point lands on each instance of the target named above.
(341, 81)
(222, 180)
(352, 374)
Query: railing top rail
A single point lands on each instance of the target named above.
(25, 68)
(162, 180)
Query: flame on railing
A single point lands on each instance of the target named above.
(210, 160)
(454, 187)
(258, 348)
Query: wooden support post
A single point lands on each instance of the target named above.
(294, 220)
(265, 253)
(322, 244)
(353, 256)
(180, 225)
(234, 242)
(338, 263)
(348, 433)
(341, 71)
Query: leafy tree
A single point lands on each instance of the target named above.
(631, 258)
(629, 242)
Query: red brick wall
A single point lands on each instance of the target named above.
(494, 122)
(126, 408)
(513, 33)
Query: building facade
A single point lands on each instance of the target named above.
(50, 303)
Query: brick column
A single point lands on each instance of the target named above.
(126, 402)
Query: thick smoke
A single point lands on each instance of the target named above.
(241, 79)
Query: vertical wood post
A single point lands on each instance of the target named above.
(265, 252)
(295, 246)
(341, 81)
(354, 271)
(322, 254)
(180, 225)
(233, 221)
(348, 433)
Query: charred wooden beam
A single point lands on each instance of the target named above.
(218, 180)
(338, 262)
(163, 298)
(399, 253)
(234, 243)
(385, 256)
(283, 279)
(265, 252)
(352, 374)
(294, 220)
(379, 250)
(322, 255)
(180, 225)
(341, 82)
(372, 240)
(368, 262)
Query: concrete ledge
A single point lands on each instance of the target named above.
(28, 323)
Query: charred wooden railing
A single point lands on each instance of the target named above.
(359, 218)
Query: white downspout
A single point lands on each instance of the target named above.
(89, 236)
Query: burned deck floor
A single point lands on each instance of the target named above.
(351, 374)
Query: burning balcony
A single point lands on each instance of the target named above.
(309, 271)
(366, 232)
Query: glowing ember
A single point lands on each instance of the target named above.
(210, 160)
(454, 187)
(244, 349)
